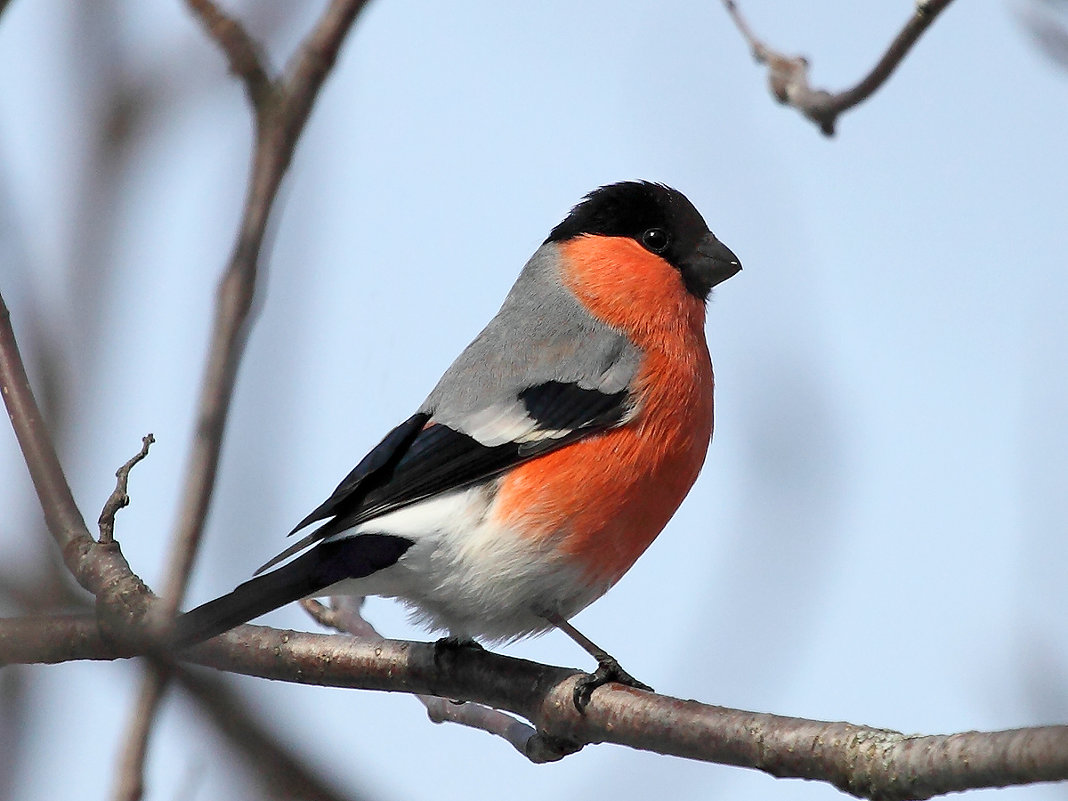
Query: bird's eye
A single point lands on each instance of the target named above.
(655, 239)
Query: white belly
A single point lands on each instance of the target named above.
(471, 576)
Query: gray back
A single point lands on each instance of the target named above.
(540, 334)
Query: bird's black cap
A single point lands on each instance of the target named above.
(663, 221)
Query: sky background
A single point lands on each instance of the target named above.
(879, 533)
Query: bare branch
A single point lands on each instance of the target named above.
(315, 58)
(119, 499)
(857, 759)
(62, 516)
(240, 49)
(130, 781)
(64, 638)
(343, 614)
(280, 110)
(279, 124)
(99, 568)
(52, 639)
(864, 761)
(537, 747)
(788, 75)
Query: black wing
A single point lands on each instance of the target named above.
(421, 458)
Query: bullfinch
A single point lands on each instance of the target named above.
(549, 455)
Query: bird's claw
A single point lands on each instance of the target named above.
(608, 671)
(448, 647)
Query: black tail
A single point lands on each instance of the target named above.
(326, 564)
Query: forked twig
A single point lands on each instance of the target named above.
(788, 75)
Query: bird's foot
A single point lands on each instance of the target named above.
(608, 671)
(453, 644)
(447, 647)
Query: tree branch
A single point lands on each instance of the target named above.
(53, 639)
(788, 75)
(280, 110)
(99, 568)
(62, 516)
(863, 761)
(241, 51)
(344, 615)
(130, 774)
(118, 498)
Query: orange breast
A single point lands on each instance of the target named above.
(604, 499)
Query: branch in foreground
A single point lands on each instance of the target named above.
(788, 75)
(56, 639)
(863, 761)
(344, 615)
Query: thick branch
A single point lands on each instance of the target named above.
(788, 75)
(52, 639)
(871, 762)
(868, 762)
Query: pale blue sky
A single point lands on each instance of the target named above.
(879, 532)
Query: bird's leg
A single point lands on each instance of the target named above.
(608, 668)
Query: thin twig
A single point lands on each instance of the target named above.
(62, 516)
(788, 75)
(118, 498)
(240, 49)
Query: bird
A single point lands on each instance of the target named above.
(548, 457)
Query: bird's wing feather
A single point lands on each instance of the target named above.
(541, 375)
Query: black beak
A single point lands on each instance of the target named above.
(722, 263)
(712, 263)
